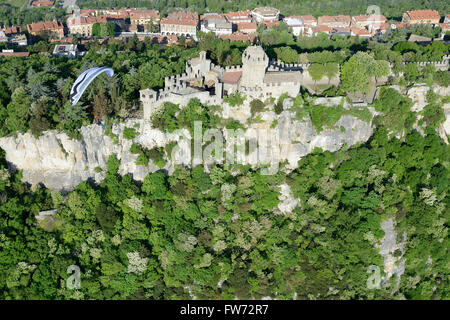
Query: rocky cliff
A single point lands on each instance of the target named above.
(60, 163)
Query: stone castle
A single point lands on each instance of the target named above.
(257, 78)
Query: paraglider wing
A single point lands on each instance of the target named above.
(84, 80)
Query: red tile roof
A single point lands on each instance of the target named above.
(212, 16)
(445, 26)
(239, 36)
(74, 21)
(181, 22)
(11, 30)
(270, 24)
(360, 32)
(317, 29)
(14, 54)
(40, 3)
(144, 14)
(231, 77)
(308, 19)
(47, 25)
(63, 40)
(369, 17)
(183, 15)
(237, 14)
(247, 26)
(423, 14)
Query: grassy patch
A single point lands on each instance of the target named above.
(129, 133)
(235, 99)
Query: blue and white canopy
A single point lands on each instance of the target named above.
(84, 80)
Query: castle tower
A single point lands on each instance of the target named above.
(254, 65)
(148, 100)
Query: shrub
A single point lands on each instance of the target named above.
(256, 106)
(235, 99)
(129, 133)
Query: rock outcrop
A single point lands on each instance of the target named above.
(61, 163)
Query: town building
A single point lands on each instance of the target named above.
(239, 16)
(339, 21)
(421, 16)
(315, 30)
(295, 24)
(144, 17)
(82, 26)
(67, 50)
(13, 35)
(361, 32)
(271, 24)
(341, 31)
(213, 22)
(308, 20)
(180, 23)
(9, 53)
(41, 3)
(54, 28)
(16, 39)
(239, 36)
(420, 39)
(372, 21)
(265, 14)
(447, 18)
(247, 27)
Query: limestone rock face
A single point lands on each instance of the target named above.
(60, 163)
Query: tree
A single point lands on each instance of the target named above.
(358, 71)
(18, 111)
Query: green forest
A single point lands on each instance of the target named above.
(154, 239)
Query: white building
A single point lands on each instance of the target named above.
(67, 50)
(216, 25)
(295, 24)
(266, 14)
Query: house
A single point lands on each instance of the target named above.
(447, 18)
(247, 27)
(265, 14)
(341, 31)
(41, 3)
(271, 24)
(13, 35)
(213, 22)
(308, 20)
(144, 17)
(295, 24)
(53, 27)
(339, 21)
(372, 21)
(66, 50)
(315, 30)
(66, 40)
(83, 25)
(183, 15)
(239, 16)
(11, 54)
(421, 16)
(445, 27)
(420, 39)
(15, 38)
(180, 23)
(239, 36)
(361, 32)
